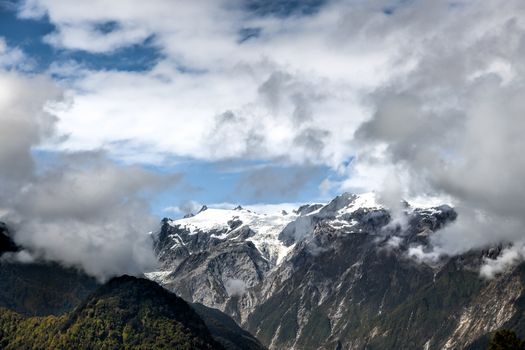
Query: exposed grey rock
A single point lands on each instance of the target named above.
(347, 281)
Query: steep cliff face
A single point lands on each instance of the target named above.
(343, 279)
(338, 276)
(214, 257)
(489, 310)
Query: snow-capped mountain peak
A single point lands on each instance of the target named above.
(220, 255)
(222, 224)
(266, 230)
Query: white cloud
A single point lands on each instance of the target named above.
(82, 209)
(280, 100)
(235, 287)
(11, 57)
(420, 254)
(428, 98)
(22, 257)
(188, 207)
(507, 259)
(394, 242)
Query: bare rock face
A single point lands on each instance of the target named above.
(489, 310)
(337, 276)
(215, 257)
(214, 277)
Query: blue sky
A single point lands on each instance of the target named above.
(209, 183)
(28, 34)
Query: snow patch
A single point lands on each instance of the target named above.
(158, 276)
(365, 200)
(267, 228)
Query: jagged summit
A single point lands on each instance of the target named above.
(221, 255)
(345, 274)
(350, 201)
(215, 225)
(273, 234)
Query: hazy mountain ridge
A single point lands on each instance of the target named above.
(44, 305)
(39, 288)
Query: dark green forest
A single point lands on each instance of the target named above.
(125, 313)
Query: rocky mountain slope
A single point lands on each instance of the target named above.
(224, 330)
(213, 257)
(338, 276)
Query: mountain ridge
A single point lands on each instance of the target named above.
(131, 313)
(52, 299)
(347, 271)
(126, 312)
